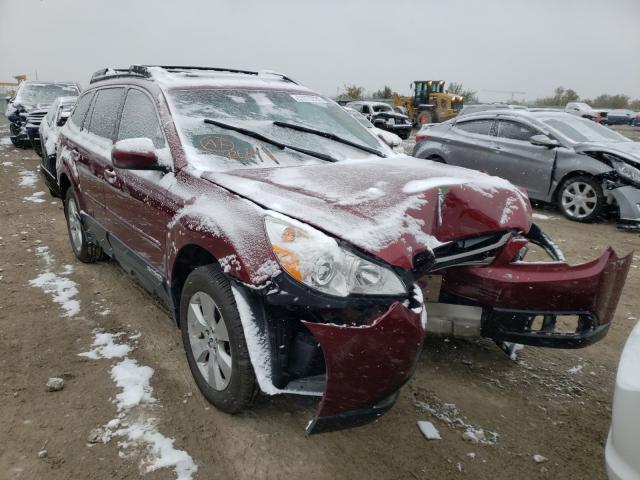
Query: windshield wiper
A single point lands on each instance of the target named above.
(280, 145)
(329, 135)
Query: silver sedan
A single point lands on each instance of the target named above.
(581, 166)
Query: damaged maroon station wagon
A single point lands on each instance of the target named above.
(293, 247)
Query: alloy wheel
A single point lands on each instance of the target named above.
(75, 226)
(579, 199)
(209, 340)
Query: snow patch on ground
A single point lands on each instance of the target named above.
(35, 198)
(540, 216)
(61, 288)
(449, 414)
(27, 179)
(104, 346)
(133, 379)
(136, 431)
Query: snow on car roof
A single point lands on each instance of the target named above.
(218, 79)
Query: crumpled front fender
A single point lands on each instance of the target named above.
(365, 367)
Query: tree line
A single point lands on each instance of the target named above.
(563, 96)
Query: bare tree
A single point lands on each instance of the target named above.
(469, 96)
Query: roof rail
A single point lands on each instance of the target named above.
(107, 73)
(176, 68)
(142, 71)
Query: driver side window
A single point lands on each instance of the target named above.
(140, 120)
(515, 131)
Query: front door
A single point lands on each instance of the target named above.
(135, 199)
(522, 163)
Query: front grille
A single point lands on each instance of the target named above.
(35, 118)
(469, 251)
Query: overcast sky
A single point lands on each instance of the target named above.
(521, 45)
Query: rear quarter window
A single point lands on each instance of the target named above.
(77, 117)
(105, 112)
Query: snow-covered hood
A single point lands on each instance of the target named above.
(393, 208)
(628, 150)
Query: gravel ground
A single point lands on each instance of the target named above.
(550, 403)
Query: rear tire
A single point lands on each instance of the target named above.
(214, 341)
(581, 199)
(84, 251)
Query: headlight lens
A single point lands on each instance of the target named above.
(315, 259)
(627, 171)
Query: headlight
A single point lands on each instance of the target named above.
(315, 259)
(627, 171)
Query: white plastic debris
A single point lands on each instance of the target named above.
(539, 458)
(429, 431)
(473, 435)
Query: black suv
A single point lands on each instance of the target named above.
(26, 109)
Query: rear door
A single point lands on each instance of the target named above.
(135, 198)
(469, 142)
(516, 159)
(95, 155)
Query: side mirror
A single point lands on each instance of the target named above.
(544, 141)
(379, 123)
(8, 99)
(136, 154)
(64, 116)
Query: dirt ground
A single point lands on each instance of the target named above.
(552, 403)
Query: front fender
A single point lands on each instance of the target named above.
(229, 234)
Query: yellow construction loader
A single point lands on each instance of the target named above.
(430, 103)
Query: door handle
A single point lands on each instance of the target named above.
(110, 175)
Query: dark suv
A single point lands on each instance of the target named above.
(291, 251)
(31, 103)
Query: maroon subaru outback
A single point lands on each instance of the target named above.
(297, 253)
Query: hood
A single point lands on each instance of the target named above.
(627, 150)
(393, 208)
(389, 115)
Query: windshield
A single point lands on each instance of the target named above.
(359, 117)
(44, 93)
(579, 130)
(210, 147)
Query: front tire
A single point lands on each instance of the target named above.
(581, 199)
(214, 341)
(84, 251)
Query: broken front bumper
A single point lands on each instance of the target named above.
(365, 367)
(549, 304)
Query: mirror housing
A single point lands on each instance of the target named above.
(62, 119)
(543, 141)
(379, 123)
(136, 154)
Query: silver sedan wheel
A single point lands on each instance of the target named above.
(579, 199)
(209, 340)
(75, 226)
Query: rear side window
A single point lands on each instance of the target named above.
(140, 120)
(81, 109)
(105, 112)
(479, 127)
(515, 131)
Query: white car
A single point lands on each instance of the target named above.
(391, 139)
(580, 109)
(622, 452)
